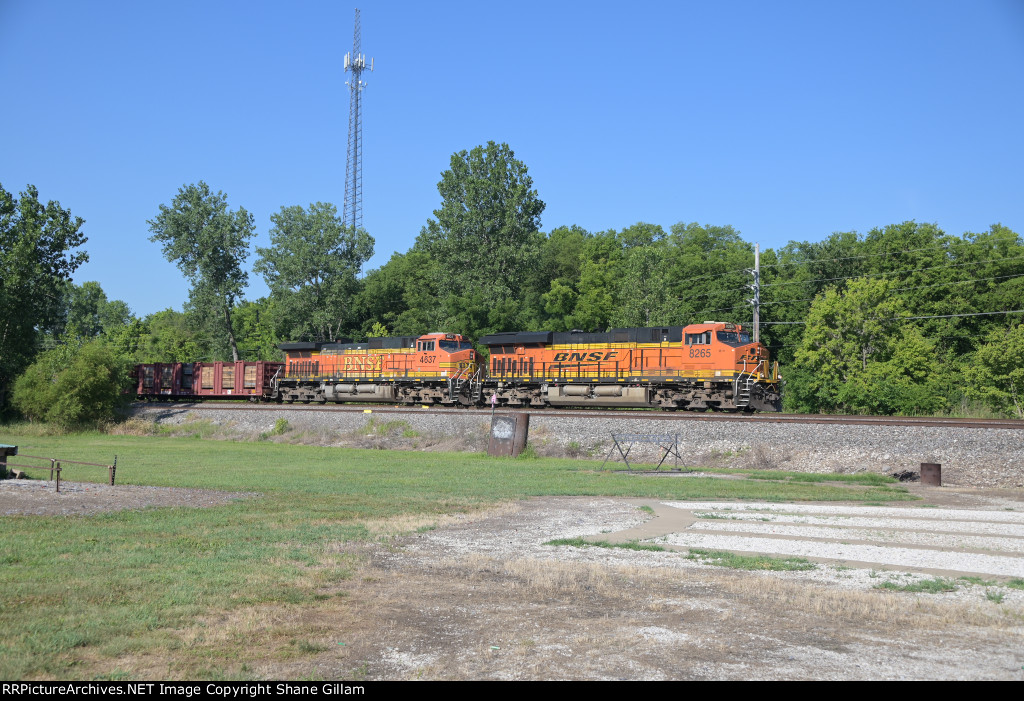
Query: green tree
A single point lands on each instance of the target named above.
(209, 243)
(311, 269)
(707, 273)
(255, 324)
(844, 331)
(484, 237)
(860, 355)
(643, 289)
(37, 258)
(595, 301)
(128, 340)
(549, 288)
(377, 330)
(402, 295)
(996, 376)
(169, 337)
(89, 313)
(72, 386)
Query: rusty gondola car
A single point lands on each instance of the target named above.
(253, 380)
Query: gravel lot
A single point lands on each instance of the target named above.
(485, 596)
(487, 599)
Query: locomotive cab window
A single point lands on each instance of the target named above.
(699, 339)
(733, 338)
(425, 345)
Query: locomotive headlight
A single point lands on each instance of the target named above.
(718, 373)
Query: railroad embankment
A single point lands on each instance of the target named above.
(971, 456)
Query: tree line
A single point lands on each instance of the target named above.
(904, 319)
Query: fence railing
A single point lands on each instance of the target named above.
(55, 467)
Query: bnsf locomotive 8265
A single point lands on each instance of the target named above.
(698, 367)
(713, 365)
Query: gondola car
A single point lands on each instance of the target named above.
(253, 380)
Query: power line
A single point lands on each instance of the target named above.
(830, 260)
(893, 272)
(908, 318)
(809, 261)
(895, 289)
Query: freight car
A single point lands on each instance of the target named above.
(713, 365)
(436, 368)
(253, 380)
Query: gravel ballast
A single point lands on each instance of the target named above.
(977, 457)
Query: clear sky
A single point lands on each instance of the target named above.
(787, 120)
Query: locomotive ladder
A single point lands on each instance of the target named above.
(744, 385)
(456, 382)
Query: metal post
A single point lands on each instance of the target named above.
(756, 301)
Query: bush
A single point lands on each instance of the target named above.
(72, 386)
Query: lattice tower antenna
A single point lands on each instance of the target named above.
(356, 63)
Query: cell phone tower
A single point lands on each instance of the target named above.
(352, 210)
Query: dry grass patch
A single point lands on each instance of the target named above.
(132, 426)
(401, 525)
(887, 609)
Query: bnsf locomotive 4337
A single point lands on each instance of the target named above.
(713, 365)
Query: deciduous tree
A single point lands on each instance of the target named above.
(485, 235)
(209, 243)
(311, 268)
(72, 385)
(37, 258)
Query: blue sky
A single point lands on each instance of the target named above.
(787, 120)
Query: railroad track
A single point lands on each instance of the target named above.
(612, 414)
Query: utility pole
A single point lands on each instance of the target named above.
(756, 287)
(352, 209)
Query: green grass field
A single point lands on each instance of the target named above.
(79, 593)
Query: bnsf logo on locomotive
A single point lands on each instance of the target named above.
(595, 357)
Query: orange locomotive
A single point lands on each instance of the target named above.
(433, 368)
(696, 367)
(714, 365)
